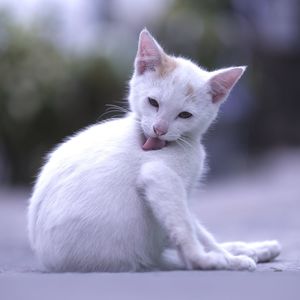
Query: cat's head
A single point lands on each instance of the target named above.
(173, 97)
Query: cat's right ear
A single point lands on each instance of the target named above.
(149, 54)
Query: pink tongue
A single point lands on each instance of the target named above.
(153, 144)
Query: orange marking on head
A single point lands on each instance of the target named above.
(189, 90)
(168, 64)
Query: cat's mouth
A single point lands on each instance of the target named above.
(153, 143)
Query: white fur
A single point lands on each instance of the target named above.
(101, 203)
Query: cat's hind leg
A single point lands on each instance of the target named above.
(259, 251)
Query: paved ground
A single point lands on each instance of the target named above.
(264, 204)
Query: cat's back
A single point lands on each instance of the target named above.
(85, 168)
(100, 141)
(98, 155)
(96, 149)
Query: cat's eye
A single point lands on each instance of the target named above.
(185, 115)
(153, 102)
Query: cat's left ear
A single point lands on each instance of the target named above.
(222, 81)
(149, 54)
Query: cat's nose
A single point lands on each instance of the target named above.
(159, 130)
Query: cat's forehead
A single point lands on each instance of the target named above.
(189, 73)
(185, 78)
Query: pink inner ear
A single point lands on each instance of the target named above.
(148, 55)
(223, 82)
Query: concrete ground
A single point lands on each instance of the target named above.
(263, 204)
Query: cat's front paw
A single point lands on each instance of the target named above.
(241, 263)
(222, 261)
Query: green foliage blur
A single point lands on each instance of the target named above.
(48, 92)
(46, 96)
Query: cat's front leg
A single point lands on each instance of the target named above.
(165, 194)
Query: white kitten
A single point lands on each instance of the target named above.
(103, 202)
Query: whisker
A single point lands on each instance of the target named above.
(108, 112)
(106, 120)
(181, 144)
(114, 109)
(117, 107)
(185, 142)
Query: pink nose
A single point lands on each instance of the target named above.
(159, 131)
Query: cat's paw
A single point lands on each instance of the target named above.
(240, 248)
(267, 250)
(222, 261)
(250, 253)
(274, 247)
(258, 251)
(241, 263)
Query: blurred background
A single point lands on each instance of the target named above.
(62, 61)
